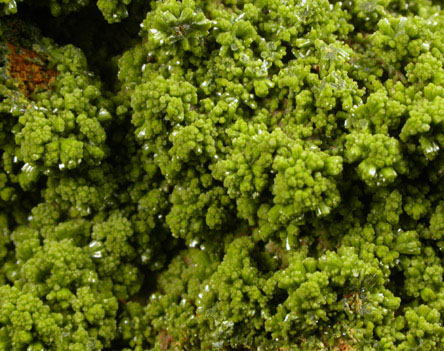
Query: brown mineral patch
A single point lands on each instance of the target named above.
(29, 69)
(343, 345)
(165, 339)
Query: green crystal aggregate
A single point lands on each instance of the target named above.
(221, 175)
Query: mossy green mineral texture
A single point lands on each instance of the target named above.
(239, 175)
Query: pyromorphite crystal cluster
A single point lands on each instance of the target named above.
(239, 175)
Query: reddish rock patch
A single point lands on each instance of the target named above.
(29, 69)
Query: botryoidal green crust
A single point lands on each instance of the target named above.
(267, 175)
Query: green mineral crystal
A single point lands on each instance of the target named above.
(221, 175)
